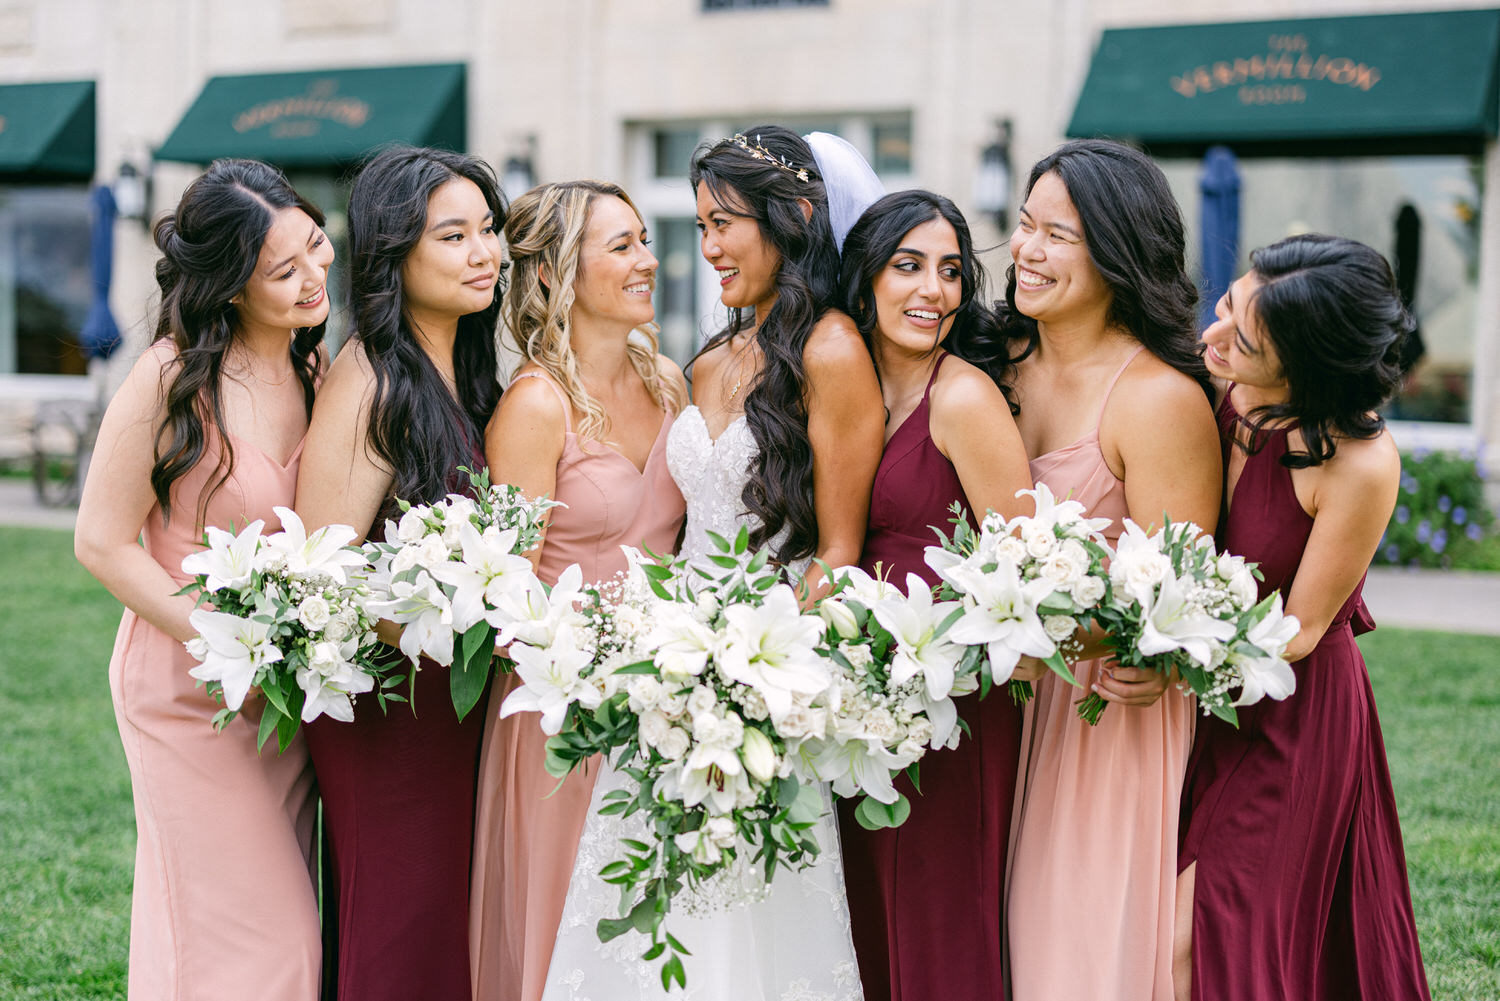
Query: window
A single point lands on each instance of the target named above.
(709, 5)
(672, 150)
(45, 286)
(1436, 199)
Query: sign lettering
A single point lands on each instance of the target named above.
(1287, 59)
(304, 111)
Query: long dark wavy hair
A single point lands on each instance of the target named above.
(1133, 231)
(416, 426)
(1332, 312)
(872, 243)
(210, 246)
(779, 490)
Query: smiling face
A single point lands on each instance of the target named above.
(452, 269)
(1056, 280)
(1235, 346)
(746, 264)
(919, 288)
(616, 269)
(288, 288)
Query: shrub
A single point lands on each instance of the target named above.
(1441, 519)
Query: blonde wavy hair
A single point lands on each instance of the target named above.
(544, 231)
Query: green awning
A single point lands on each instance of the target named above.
(1390, 82)
(47, 129)
(324, 118)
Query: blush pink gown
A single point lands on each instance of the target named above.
(1092, 874)
(223, 905)
(527, 827)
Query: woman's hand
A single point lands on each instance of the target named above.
(1130, 686)
(1029, 668)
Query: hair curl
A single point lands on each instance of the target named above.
(210, 245)
(416, 425)
(1133, 231)
(869, 247)
(1330, 308)
(779, 491)
(545, 234)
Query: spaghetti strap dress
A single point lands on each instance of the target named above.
(925, 898)
(1091, 877)
(224, 905)
(528, 822)
(1300, 888)
(398, 814)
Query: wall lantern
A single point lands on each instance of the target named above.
(992, 182)
(132, 191)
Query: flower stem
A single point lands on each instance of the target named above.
(1021, 692)
(1089, 708)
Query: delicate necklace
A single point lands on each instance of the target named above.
(262, 379)
(738, 368)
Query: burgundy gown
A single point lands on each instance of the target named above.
(925, 898)
(398, 794)
(1301, 888)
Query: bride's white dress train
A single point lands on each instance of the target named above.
(793, 945)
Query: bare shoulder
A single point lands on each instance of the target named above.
(835, 346)
(962, 390)
(1368, 467)
(1151, 392)
(530, 399)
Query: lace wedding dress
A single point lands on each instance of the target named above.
(792, 945)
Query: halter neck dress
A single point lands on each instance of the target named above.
(528, 823)
(1300, 889)
(926, 898)
(1091, 876)
(223, 903)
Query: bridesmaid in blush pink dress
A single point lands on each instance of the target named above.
(1114, 408)
(208, 430)
(584, 422)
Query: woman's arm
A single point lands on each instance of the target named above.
(846, 427)
(341, 480)
(971, 424)
(1160, 428)
(117, 499)
(1351, 498)
(524, 442)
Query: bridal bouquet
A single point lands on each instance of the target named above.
(701, 681)
(1023, 585)
(450, 571)
(1176, 605)
(896, 673)
(288, 619)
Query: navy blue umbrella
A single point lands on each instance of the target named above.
(1221, 226)
(100, 336)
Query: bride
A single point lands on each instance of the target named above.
(784, 435)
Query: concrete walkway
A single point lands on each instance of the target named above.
(1446, 600)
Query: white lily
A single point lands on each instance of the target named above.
(683, 644)
(913, 621)
(237, 649)
(1172, 623)
(531, 615)
(858, 765)
(229, 559)
(421, 606)
(1269, 676)
(489, 570)
(322, 552)
(1070, 513)
(1001, 613)
(772, 648)
(551, 681)
(711, 785)
(329, 679)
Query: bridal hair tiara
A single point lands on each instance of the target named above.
(759, 152)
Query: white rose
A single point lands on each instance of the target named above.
(702, 700)
(1139, 570)
(803, 722)
(1012, 549)
(653, 728)
(754, 704)
(880, 724)
(1242, 586)
(435, 550)
(722, 831)
(406, 557)
(1039, 541)
(911, 749)
(1088, 591)
(629, 623)
(706, 604)
(674, 744)
(858, 655)
(411, 528)
(325, 659)
(342, 624)
(645, 692)
(919, 730)
(314, 613)
(1058, 627)
(198, 647)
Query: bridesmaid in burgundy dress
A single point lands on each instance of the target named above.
(925, 898)
(1292, 880)
(405, 404)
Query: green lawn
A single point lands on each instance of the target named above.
(67, 833)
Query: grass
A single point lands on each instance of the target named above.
(67, 831)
